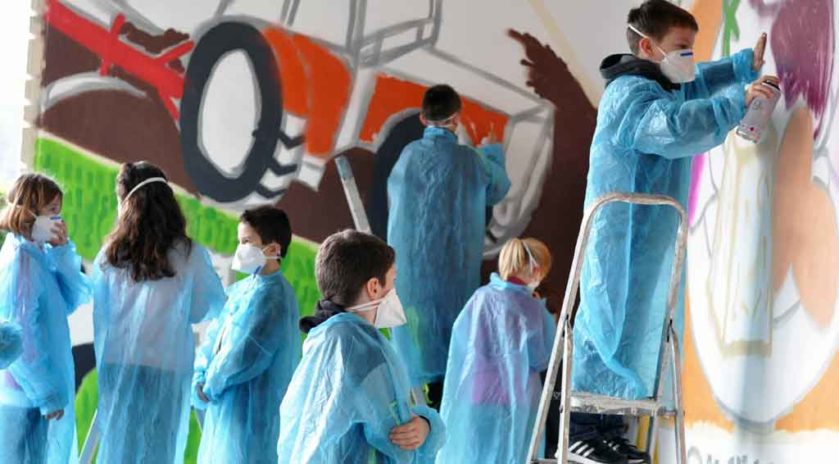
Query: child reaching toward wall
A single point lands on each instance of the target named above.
(659, 110)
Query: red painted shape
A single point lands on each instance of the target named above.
(175, 53)
(153, 70)
(393, 96)
(115, 28)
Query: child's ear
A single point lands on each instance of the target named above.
(646, 47)
(370, 288)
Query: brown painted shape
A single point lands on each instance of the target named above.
(804, 223)
(64, 57)
(122, 128)
(152, 43)
(318, 214)
(556, 220)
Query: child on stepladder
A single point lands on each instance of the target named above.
(41, 284)
(659, 110)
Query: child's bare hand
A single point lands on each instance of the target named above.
(61, 238)
(199, 390)
(758, 89)
(490, 138)
(410, 436)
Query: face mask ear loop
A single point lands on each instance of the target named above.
(530, 257)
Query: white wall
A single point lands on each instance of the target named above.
(14, 35)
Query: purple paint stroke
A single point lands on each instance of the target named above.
(803, 46)
(696, 170)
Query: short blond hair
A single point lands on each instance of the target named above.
(515, 257)
(30, 194)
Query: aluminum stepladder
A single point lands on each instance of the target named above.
(563, 349)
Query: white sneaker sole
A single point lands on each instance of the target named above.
(576, 458)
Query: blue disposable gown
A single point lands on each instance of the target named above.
(439, 192)
(11, 342)
(500, 343)
(245, 364)
(349, 391)
(145, 353)
(39, 288)
(643, 143)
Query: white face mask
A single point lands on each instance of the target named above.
(390, 313)
(44, 228)
(678, 65)
(250, 259)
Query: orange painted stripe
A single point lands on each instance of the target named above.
(292, 72)
(708, 14)
(327, 88)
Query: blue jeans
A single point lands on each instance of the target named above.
(588, 426)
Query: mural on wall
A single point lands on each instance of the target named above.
(764, 253)
(247, 101)
(304, 82)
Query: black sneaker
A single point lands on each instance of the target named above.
(632, 453)
(594, 451)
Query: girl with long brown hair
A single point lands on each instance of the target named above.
(151, 282)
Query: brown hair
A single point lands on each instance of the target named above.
(30, 194)
(150, 224)
(515, 258)
(655, 18)
(347, 260)
(271, 224)
(440, 103)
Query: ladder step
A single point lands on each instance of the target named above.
(600, 404)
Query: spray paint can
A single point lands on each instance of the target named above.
(758, 115)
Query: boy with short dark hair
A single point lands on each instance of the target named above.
(349, 400)
(251, 350)
(439, 194)
(657, 112)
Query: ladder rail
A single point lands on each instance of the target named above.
(568, 311)
(90, 442)
(359, 214)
